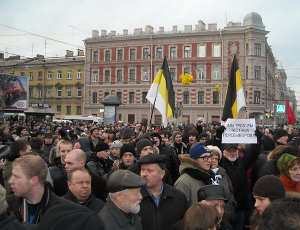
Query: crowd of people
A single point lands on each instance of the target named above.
(92, 176)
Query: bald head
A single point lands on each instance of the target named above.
(75, 159)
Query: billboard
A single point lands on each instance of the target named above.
(13, 92)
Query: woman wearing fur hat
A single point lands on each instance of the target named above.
(266, 189)
(289, 167)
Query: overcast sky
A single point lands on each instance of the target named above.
(71, 21)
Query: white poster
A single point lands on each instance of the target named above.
(239, 131)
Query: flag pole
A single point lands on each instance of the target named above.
(152, 110)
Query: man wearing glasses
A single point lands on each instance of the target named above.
(194, 172)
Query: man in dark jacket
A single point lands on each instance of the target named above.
(236, 169)
(79, 183)
(123, 205)
(33, 196)
(158, 197)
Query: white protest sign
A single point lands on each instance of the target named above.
(239, 131)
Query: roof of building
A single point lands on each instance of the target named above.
(253, 19)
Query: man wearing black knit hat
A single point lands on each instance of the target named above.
(158, 197)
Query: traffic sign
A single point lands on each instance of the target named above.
(280, 108)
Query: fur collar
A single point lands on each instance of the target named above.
(186, 160)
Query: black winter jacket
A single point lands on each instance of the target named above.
(170, 211)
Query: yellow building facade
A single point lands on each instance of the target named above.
(56, 83)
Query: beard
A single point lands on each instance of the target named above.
(132, 208)
(232, 159)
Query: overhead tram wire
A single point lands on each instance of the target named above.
(42, 36)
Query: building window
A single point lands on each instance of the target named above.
(40, 93)
(106, 94)
(247, 49)
(94, 97)
(201, 72)
(159, 53)
(131, 74)
(40, 75)
(202, 51)
(59, 75)
(131, 97)
(187, 51)
(78, 110)
(215, 97)
(30, 92)
(69, 75)
(216, 72)
(22, 73)
(173, 73)
(186, 97)
(78, 74)
(79, 91)
(132, 53)
(120, 54)
(256, 97)
(146, 53)
(58, 108)
(216, 50)
(107, 55)
(257, 72)
(201, 97)
(246, 72)
(49, 75)
(144, 100)
(145, 75)
(69, 91)
(59, 91)
(95, 57)
(49, 92)
(95, 76)
(119, 95)
(68, 109)
(119, 75)
(173, 52)
(107, 75)
(187, 70)
(257, 49)
(31, 76)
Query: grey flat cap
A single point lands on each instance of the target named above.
(123, 179)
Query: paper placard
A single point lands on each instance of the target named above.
(239, 131)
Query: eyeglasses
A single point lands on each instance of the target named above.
(206, 158)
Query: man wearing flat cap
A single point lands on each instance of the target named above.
(123, 203)
(158, 197)
(214, 195)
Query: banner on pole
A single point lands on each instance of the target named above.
(239, 131)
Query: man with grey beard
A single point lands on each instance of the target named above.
(123, 203)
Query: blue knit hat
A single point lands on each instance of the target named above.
(197, 150)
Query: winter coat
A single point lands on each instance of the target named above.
(70, 216)
(115, 219)
(11, 223)
(192, 178)
(57, 176)
(92, 202)
(180, 148)
(160, 217)
(49, 199)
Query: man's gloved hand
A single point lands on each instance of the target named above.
(258, 134)
(220, 131)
